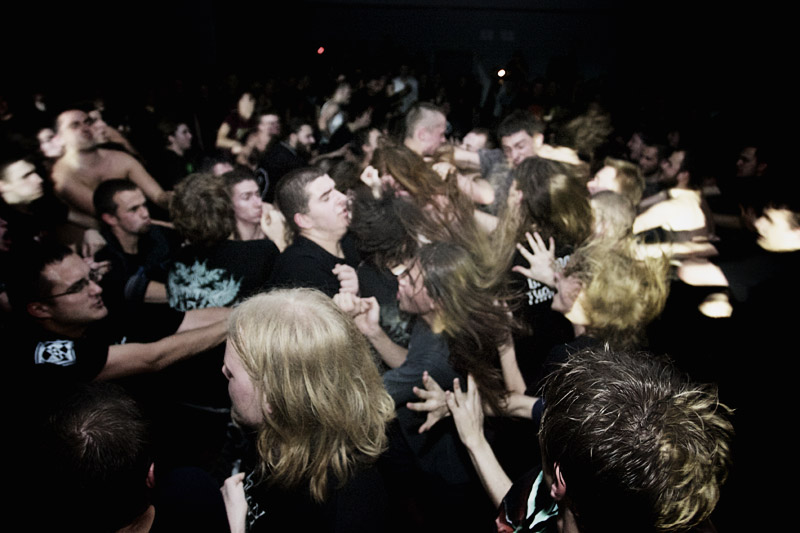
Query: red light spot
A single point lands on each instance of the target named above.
(320, 50)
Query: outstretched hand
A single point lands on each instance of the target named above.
(541, 259)
(433, 403)
(467, 411)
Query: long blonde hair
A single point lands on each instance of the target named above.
(328, 406)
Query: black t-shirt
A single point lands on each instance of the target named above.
(220, 275)
(55, 362)
(360, 505)
(542, 328)
(304, 263)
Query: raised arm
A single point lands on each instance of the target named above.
(467, 413)
(150, 187)
(223, 141)
(366, 313)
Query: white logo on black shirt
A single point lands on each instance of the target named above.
(61, 352)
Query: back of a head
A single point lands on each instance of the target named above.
(629, 433)
(418, 116)
(613, 215)
(629, 177)
(328, 407)
(202, 210)
(554, 199)
(622, 293)
(96, 453)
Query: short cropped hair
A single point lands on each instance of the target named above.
(28, 262)
(629, 176)
(201, 210)
(419, 113)
(630, 433)
(97, 450)
(311, 364)
(291, 194)
(103, 197)
(166, 128)
(520, 120)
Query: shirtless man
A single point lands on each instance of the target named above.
(83, 166)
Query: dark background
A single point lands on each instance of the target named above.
(719, 55)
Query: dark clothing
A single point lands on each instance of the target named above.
(304, 263)
(437, 451)
(448, 490)
(359, 506)
(54, 362)
(543, 328)
(168, 168)
(278, 160)
(220, 275)
(126, 282)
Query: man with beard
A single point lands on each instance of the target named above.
(294, 151)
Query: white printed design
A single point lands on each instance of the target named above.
(198, 287)
(539, 292)
(61, 353)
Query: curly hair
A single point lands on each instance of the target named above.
(628, 432)
(310, 363)
(201, 210)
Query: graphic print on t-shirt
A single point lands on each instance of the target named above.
(59, 352)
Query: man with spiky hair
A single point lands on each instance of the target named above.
(628, 444)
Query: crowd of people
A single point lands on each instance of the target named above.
(433, 310)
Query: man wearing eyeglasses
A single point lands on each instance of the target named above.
(65, 331)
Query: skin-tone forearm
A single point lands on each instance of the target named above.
(511, 373)
(156, 293)
(392, 354)
(199, 318)
(520, 405)
(493, 478)
(467, 410)
(466, 160)
(366, 313)
(139, 358)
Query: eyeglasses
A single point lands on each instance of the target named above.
(80, 285)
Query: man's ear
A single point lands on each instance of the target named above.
(109, 219)
(538, 140)
(151, 477)
(559, 488)
(303, 221)
(38, 309)
(170, 140)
